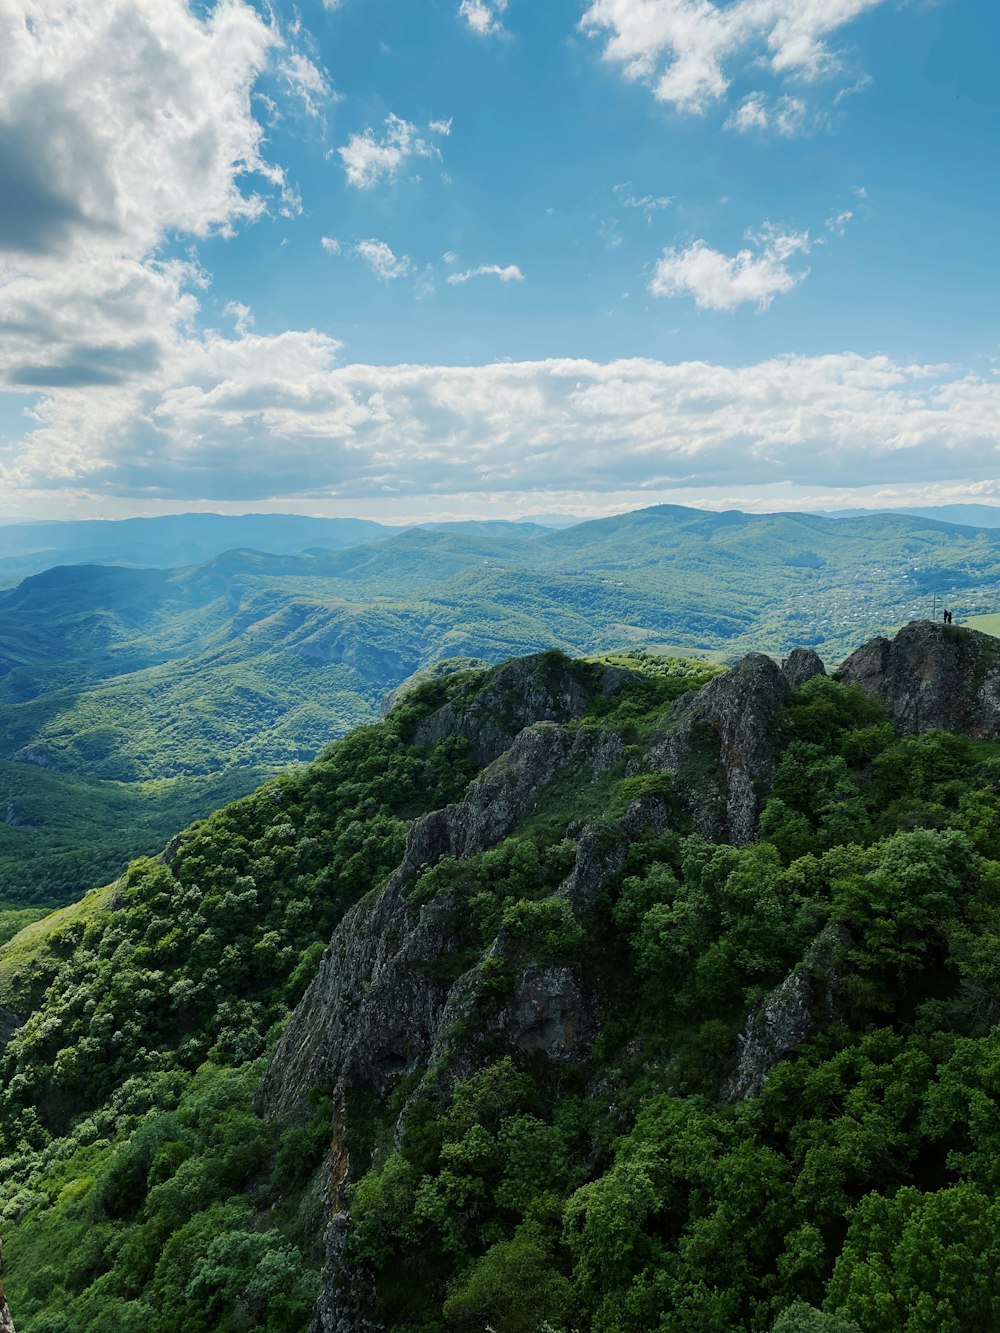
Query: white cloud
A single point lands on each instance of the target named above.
(838, 222)
(367, 159)
(241, 315)
(681, 48)
(449, 257)
(648, 203)
(381, 260)
(122, 124)
(307, 81)
(787, 116)
(510, 273)
(483, 16)
(722, 282)
(440, 126)
(83, 158)
(331, 245)
(256, 417)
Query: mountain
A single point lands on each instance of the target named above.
(613, 994)
(184, 687)
(969, 515)
(171, 539)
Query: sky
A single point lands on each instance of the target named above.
(416, 259)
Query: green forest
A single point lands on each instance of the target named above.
(148, 1186)
(133, 700)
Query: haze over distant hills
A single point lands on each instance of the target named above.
(133, 699)
(971, 515)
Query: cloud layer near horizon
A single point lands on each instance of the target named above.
(256, 417)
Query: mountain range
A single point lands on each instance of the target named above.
(149, 695)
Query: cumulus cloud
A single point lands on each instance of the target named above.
(723, 282)
(483, 16)
(682, 48)
(121, 125)
(368, 159)
(330, 244)
(241, 315)
(508, 273)
(260, 416)
(381, 260)
(82, 157)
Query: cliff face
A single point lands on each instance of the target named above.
(933, 675)
(720, 747)
(542, 688)
(377, 1011)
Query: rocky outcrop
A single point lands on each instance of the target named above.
(790, 1015)
(933, 675)
(602, 849)
(800, 665)
(376, 1007)
(721, 745)
(6, 1322)
(379, 1010)
(544, 688)
(9, 1023)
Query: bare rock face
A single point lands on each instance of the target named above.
(6, 1322)
(800, 665)
(790, 1015)
(933, 675)
(9, 1023)
(375, 1009)
(720, 745)
(602, 849)
(378, 1008)
(546, 687)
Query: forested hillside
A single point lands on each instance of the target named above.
(134, 699)
(616, 994)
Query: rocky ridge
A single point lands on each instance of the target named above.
(933, 676)
(376, 1013)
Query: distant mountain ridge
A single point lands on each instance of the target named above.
(968, 515)
(210, 676)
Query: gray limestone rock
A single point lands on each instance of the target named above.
(933, 675)
(9, 1023)
(546, 687)
(793, 1011)
(720, 747)
(801, 665)
(602, 849)
(375, 1008)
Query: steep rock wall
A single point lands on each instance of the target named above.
(933, 676)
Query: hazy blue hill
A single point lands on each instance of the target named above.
(521, 529)
(171, 540)
(968, 515)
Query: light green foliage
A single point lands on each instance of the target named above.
(921, 1263)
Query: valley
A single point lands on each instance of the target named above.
(133, 699)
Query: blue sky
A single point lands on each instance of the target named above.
(466, 257)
